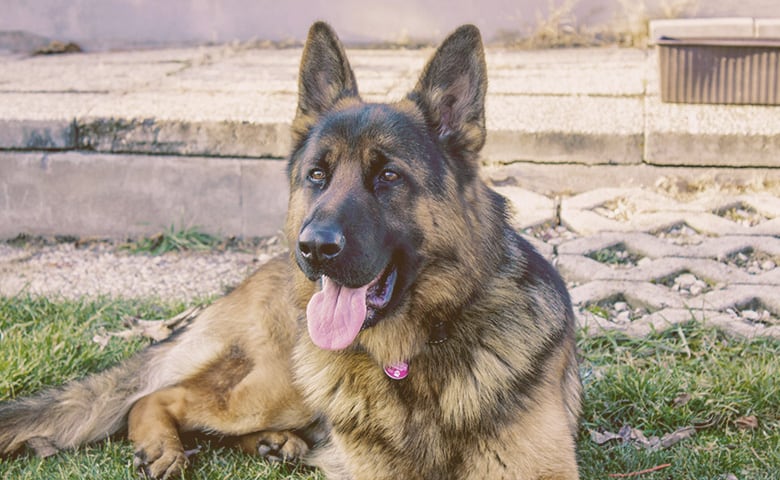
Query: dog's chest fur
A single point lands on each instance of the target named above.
(458, 396)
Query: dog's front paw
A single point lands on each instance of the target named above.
(275, 446)
(160, 461)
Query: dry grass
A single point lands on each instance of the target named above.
(559, 27)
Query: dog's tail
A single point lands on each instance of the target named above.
(86, 410)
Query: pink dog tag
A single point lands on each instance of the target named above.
(397, 371)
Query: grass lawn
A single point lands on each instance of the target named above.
(727, 389)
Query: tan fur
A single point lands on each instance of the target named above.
(486, 325)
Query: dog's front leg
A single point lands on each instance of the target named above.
(153, 427)
(276, 446)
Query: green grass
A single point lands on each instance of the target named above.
(635, 382)
(173, 239)
(627, 382)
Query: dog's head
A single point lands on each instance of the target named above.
(380, 192)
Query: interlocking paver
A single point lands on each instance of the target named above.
(668, 318)
(634, 209)
(636, 247)
(530, 208)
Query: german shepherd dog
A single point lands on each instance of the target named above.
(410, 333)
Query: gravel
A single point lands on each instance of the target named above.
(68, 271)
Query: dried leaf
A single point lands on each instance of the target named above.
(749, 422)
(600, 438)
(682, 399)
(678, 435)
(636, 437)
(101, 339)
(157, 330)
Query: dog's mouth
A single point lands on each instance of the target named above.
(336, 314)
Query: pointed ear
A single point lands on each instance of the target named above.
(325, 76)
(451, 91)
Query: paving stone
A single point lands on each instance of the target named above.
(668, 318)
(644, 243)
(635, 209)
(638, 294)
(656, 322)
(765, 203)
(738, 328)
(529, 208)
(582, 269)
(731, 266)
(545, 249)
(737, 296)
(654, 247)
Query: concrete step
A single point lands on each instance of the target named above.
(590, 106)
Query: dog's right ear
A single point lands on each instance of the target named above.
(325, 77)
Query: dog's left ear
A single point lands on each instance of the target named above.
(325, 77)
(451, 91)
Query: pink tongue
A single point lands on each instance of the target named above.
(336, 314)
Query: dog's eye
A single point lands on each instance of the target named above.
(389, 176)
(317, 175)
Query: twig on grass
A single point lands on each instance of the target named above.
(640, 472)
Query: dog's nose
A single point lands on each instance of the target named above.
(318, 243)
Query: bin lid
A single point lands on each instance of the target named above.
(720, 42)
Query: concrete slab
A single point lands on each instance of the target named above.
(173, 137)
(601, 72)
(129, 195)
(248, 71)
(87, 73)
(197, 106)
(768, 27)
(32, 121)
(583, 129)
(22, 107)
(711, 135)
(194, 123)
(100, 72)
(38, 134)
(264, 195)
